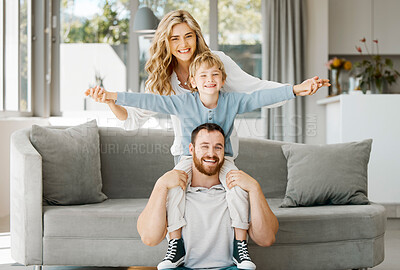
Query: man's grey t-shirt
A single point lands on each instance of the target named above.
(208, 235)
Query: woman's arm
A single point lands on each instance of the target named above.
(152, 222)
(264, 224)
(238, 80)
(120, 112)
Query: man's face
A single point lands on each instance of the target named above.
(208, 152)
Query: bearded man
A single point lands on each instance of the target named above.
(208, 235)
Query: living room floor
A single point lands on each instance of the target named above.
(391, 262)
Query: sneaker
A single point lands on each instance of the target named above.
(241, 255)
(175, 255)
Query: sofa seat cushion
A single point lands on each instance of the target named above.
(111, 219)
(117, 218)
(319, 224)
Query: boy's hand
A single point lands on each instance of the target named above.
(99, 94)
(310, 86)
(173, 179)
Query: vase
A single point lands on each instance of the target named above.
(336, 87)
(379, 87)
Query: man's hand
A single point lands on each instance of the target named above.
(310, 86)
(99, 94)
(241, 179)
(173, 179)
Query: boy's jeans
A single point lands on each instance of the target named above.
(237, 198)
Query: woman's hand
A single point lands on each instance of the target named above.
(99, 94)
(241, 179)
(173, 179)
(310, 86)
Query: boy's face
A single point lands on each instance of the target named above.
(208, 80)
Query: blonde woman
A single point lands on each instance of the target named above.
(177, 41)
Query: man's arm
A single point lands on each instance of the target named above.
(264, 224)
(152, 222)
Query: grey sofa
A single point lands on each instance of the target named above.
(104, 234)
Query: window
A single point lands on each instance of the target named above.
(93, 50)
(15, 76)
(239, 28)
(25, 57)
(2, 55)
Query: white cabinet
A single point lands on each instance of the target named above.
(358, 117)
(351, 20)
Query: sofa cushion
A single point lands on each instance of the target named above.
(327, 174)
(328, 223)
(111, 219)
(71, 163)
(116, 219)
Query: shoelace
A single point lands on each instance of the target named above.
(243, 251)
(172, 247)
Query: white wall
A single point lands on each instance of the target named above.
(78, 64)
(7, 127)
(317, 47)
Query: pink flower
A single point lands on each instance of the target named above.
(358, 49)
(329, 64)
(362, 40)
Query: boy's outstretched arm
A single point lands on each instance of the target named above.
(310, 86)
(163, 104)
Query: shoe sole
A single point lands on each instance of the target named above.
(237, 265)
(172, 265)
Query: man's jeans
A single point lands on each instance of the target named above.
(185, 268)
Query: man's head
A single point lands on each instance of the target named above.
(207, 73)
(208, 148)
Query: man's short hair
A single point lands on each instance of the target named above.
(207, 126)
(208, 58)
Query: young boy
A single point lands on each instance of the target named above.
(206, 104)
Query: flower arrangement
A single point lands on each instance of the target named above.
(338, 64)
(375, 71)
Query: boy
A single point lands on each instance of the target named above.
(206, 104)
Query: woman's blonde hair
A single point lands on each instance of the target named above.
(162, 63)
(210, 60)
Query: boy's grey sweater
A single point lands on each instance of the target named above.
(192, 113)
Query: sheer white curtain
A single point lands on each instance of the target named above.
(283, 61)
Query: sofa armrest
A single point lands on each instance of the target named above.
(26, 200)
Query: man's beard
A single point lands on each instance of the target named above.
(204, 170)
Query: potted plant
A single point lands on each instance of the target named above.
(376, 72)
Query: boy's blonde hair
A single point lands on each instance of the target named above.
(210, 60)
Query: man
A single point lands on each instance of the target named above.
(208, 235)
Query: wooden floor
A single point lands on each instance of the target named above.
(142, 268)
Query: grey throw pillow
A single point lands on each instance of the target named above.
(70, 163)
(327, 174)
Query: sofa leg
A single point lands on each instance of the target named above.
(38, 267)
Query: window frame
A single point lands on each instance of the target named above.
(4, 112)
